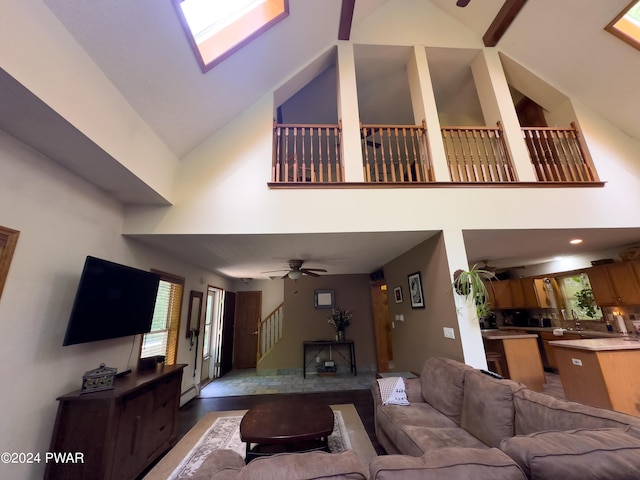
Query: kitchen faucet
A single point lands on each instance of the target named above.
(576, 320)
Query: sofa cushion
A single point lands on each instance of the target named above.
(447, 464)
(487, 408)
(601, 454)
(219, 465)
(306, 466)
(416, 441)
(414, 390)
(442, 386)
(536, 412)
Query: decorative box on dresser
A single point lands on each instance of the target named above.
(120, 431)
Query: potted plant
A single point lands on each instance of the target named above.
(471, 282)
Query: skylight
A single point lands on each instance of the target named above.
(217, 28)
(626, 26)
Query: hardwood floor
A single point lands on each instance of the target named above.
(195, 409)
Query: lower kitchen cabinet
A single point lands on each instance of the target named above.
(119, 432)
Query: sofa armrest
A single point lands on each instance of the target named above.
(447, 463)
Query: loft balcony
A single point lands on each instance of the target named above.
(399, 155)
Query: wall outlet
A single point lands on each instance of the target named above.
(577, 362)
(449, 332)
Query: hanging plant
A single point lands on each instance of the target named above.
(471, 282)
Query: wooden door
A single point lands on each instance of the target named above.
(382, 324)
(228, 320)
(245, 344)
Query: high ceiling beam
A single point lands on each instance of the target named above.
(346, 17)
(502, 22)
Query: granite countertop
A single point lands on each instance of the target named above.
(502, 335)
(599, 344)
(584, 333)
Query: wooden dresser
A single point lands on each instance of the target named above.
(121, 431)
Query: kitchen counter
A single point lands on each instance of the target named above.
(583, 333)
(505, 335)
(601, 372)
(521, 359)
(598, 344)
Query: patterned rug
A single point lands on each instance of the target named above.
(224, 433)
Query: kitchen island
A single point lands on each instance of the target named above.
(521, 359)
(601, 372)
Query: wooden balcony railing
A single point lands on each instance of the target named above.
(477, 154)
(270, 331)
(307, 154)
(557, 155)
(395, 153)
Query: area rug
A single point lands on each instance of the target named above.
(218, 430)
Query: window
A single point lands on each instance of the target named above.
(217, 28)
(578, 298)
(626, 26)
(163, 337)
(8, 241)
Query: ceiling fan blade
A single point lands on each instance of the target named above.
(279, 270)
(462, 3)
(285, 276)
(313, 270)
(308, 272)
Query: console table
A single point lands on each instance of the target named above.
(121, 431)
(320, 345)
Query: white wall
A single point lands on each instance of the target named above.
(61, 220)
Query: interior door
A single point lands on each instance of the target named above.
(382, 324)
(228, 320)
(248, 312)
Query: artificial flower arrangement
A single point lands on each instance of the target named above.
(339, 319)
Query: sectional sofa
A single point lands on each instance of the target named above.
(464, 424)
(470, 419)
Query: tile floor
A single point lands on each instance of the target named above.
(247, 382)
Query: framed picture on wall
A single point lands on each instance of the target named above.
(397, 293)
(415, 290)
(324, 299)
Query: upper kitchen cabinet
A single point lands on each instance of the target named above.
(523, 293)
(615, 284)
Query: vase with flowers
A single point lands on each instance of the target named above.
(340, 320)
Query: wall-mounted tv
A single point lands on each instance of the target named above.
(112, 301)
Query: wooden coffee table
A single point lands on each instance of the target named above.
(292, 426)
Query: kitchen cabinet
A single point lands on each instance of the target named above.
(523, 293)
(615, 284)
(502, 298)
(549, 350)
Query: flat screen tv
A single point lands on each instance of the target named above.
(112, 301)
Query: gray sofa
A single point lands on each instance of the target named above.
(463, 423)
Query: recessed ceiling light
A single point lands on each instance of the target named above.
(575, 241)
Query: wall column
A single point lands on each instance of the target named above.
(425, 108)
(349, 114)
(497, 105)
(468, 323)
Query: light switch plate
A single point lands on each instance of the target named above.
(448, 332)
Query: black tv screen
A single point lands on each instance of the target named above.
(112, 301)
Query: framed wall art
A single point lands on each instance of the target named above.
(415, 290)
(397, 294)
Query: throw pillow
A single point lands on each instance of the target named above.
(392, 391)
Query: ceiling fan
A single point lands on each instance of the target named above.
(296, 271)
(496, 270)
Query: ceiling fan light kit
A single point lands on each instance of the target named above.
(295, 275)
